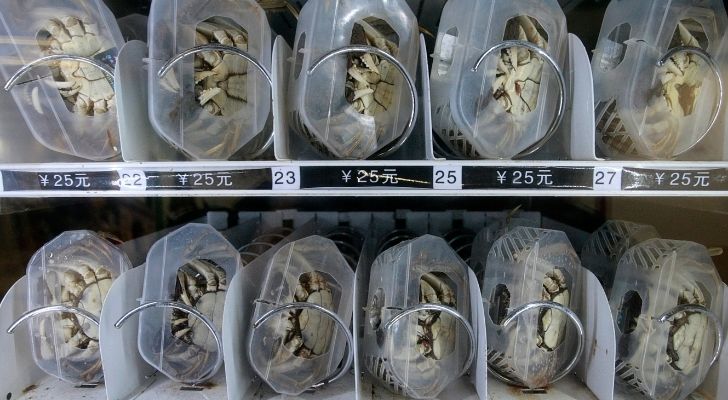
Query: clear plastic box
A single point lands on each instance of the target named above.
(527, 266)
(665, 350)
(68, 105)
(236, 113)
(188, 268)
(605, 247)
(321, 106)
(298, 348)
(498, 111)
(76, 269)
(646, 108)
(418, 353)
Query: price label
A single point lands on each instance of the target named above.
(286, 178)
(607, 179)
(447, 177)
(132, 180)
(2, 185)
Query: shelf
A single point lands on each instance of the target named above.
(366, 178)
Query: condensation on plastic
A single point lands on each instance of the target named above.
(658, 270)
(318, 102)
(274, 361)
(520, 260)
(605, 247)
(70, 265)
(395, 286)
(463, 100)
(157, 344)
(177, 115)
(39, 101)
(634, 36)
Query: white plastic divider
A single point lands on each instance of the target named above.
(139, 141)
(18, 370)
(125, 371)
(282, 55)
(583, 124)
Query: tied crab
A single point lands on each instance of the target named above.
(515, 88)
(76, 278)
(85, 88)
(676, 95)
(221, 80)
(436, 332)
(687, 329)
(201, 284)
(551, 323)
(305, 333)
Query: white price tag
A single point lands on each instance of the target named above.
(286, 178)
(2, 188)
(447, 177)
(607, 179)
(132, 180)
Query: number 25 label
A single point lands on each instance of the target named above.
(447, 177)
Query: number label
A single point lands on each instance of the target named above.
(286, 178)
(607, 179)
(132, 180)
(448, 177)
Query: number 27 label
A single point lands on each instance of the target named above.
(607, 179)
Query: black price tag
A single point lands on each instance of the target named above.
(678, 180)
(14, 181)
(248, 179)
(545, 178)
(394, 177)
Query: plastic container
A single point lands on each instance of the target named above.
(527, 267)
(605, 247)
(234, 112)
(664, 350)
(301, 322)
(475, 114)
(408, 349)
(657, 112)
(322, 108)
(68, 105)
(76, 270)
(189, 268)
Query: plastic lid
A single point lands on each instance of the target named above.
(191, 266)
(353, 105)
(69, 106)
(512, 101)
(670, 359)
(417, 353)
(293, 350)
(207, 105)
(660, 110)
(528, 265)
(76, 269)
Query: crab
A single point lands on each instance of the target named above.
(687, 329)
(436, 332)
(221, 80)
(201, 284)
(308, 333)
(515, 88)
(675, 96)
(85, 88)
(551, 323)
(81, 281)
